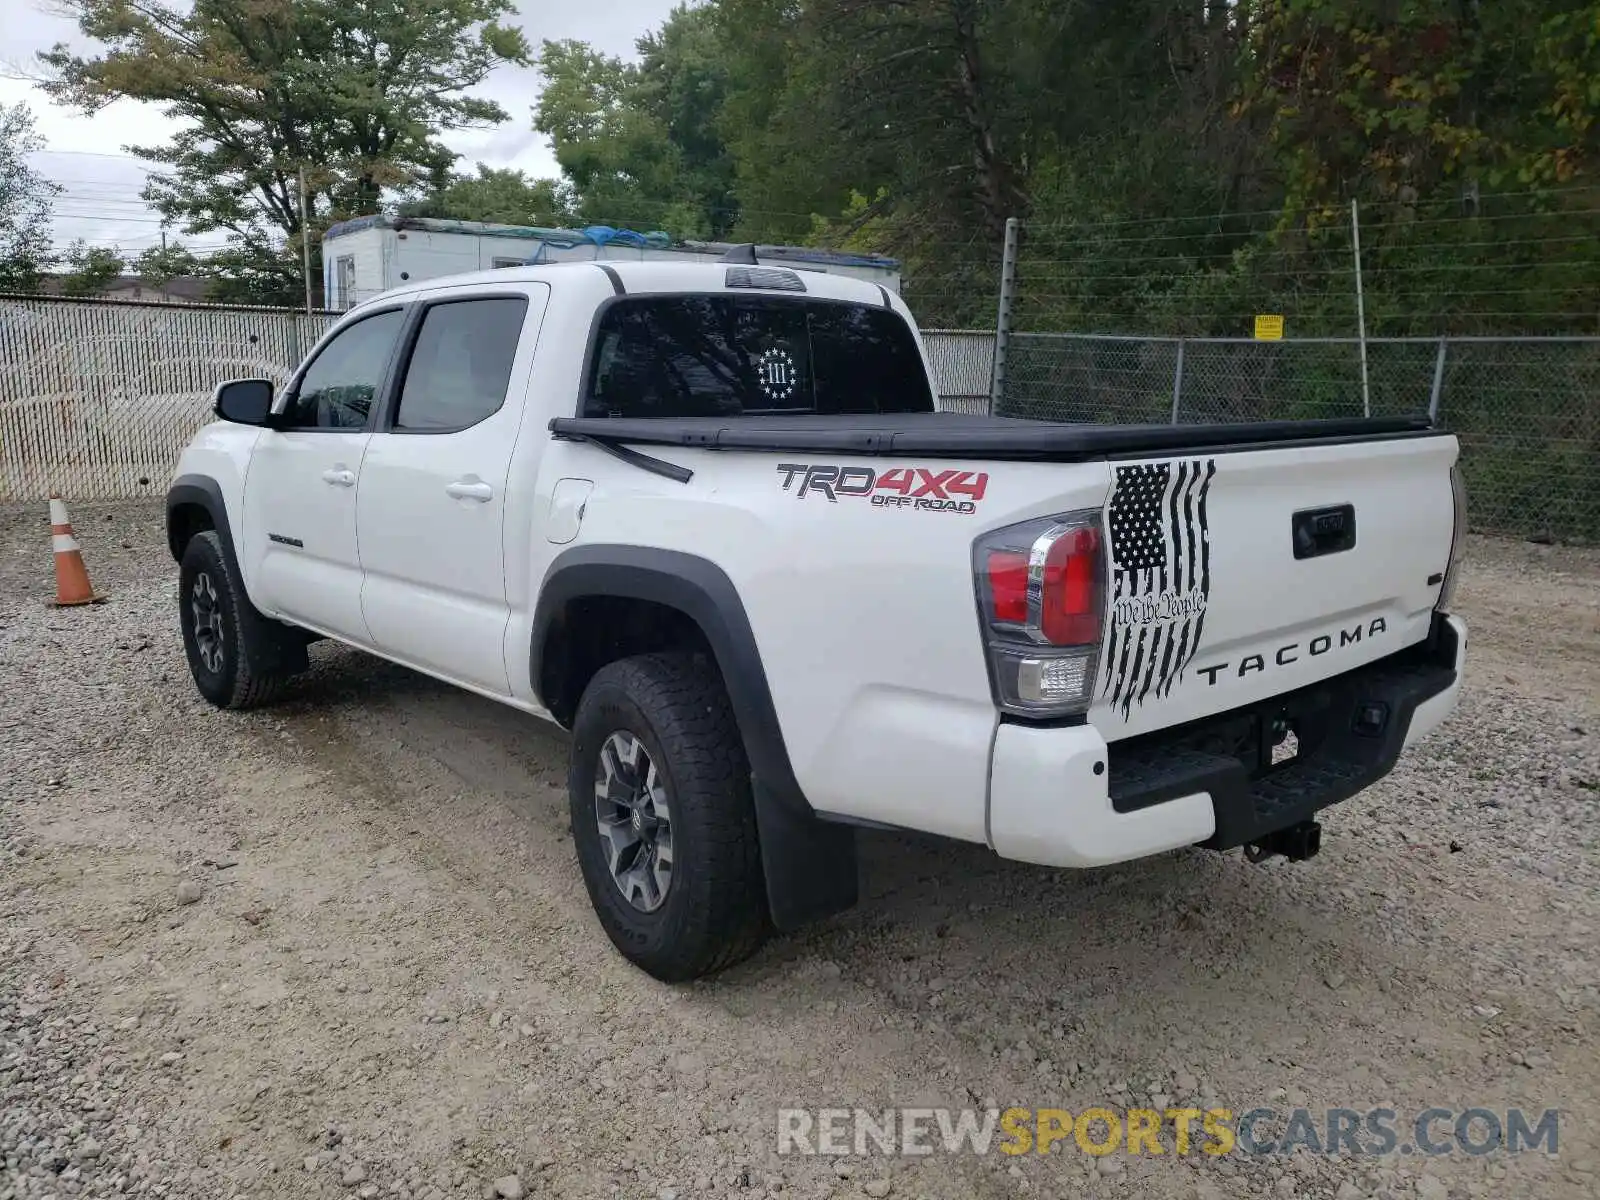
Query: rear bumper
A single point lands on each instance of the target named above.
(1063, 797)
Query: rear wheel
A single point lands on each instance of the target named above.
(239, 659)
(662, 815)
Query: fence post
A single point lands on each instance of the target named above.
(305, 238)
(1361, 308)
(1438, 382)
(1177, 382)
(1002, 325)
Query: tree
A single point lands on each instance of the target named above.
(638, 141)
(613, 149)
(353, 92)
(89, 268)
(160, 265)
(898, 120)
(506, 197)
(25, 197)
(1390, 102)
(1231, 135)
(1461, 130)
(683, 81)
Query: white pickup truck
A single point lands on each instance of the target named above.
(708, 519)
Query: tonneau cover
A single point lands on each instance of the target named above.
(957, 435)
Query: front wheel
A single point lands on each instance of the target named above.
(662, 815)
(236, 655)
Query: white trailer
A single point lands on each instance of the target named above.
(369, 255)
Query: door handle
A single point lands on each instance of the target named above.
(1323, 530)
(470, 488)
(340, 476)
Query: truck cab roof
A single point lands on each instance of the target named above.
(631, 278)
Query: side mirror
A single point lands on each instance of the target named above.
(244, 401)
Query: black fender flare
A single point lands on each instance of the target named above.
(286, 653)
(810, 864)
(206, 492)
(700, 590)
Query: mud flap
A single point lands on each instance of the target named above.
(809, 864)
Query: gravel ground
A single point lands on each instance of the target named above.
(340, 948)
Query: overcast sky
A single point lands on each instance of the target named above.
(87, 155)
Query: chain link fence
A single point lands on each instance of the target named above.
(1526, 410)
(1087, 377)
(962, 363)
(98, 397)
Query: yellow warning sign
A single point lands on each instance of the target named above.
(1269, 327)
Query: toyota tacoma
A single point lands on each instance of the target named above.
(710, 520)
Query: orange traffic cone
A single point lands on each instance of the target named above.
(72, 578)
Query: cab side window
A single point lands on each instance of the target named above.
(338, 389)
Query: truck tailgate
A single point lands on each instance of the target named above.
(1238, 575)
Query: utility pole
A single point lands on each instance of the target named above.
(1361, 309)
(306, 245)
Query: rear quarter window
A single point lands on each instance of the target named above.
(731, 355)
(461, 364)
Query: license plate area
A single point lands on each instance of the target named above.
(1278, 738)
(1349, 729)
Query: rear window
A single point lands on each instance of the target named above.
(726, 356)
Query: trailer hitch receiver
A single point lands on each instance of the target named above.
(1296, 843)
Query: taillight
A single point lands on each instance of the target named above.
(1452, 571)
(1008, 586)
(1040, 598)
(1069, 608)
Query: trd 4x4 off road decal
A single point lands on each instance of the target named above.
(925, 489)
(1160, 577)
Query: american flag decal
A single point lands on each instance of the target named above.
(1160, 577)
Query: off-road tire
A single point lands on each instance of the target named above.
(714, 912)
(257, 653)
